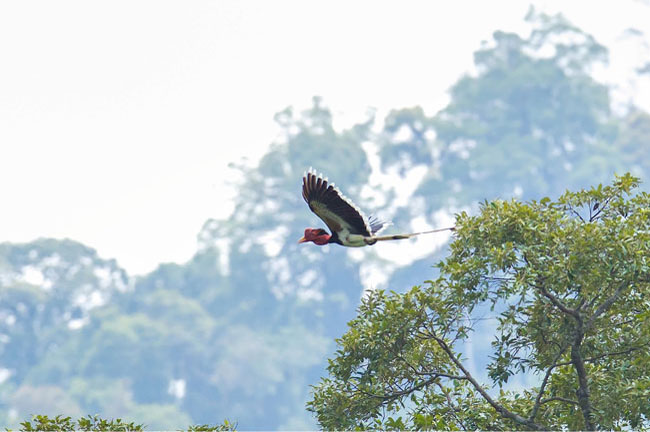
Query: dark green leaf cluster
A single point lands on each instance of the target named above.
(85, 424)
(226, 426)
(95, 423)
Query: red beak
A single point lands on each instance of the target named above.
(302, 240)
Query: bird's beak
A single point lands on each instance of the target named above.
(302, 240)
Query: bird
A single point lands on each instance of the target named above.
(349, 226)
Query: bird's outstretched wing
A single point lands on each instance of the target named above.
(339, 213)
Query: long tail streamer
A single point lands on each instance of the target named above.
(406, 236)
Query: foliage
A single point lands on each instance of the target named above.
(98, 424)
(224, 427)
(530, 121)
(86, 424)
(568, 285)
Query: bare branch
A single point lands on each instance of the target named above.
(557, 303)
(405, 391)
(615, 353)
(561, 399)
(498, 278)
(575, 212)
(498, 407)
(433, 374)
(600, 210)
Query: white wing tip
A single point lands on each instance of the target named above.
(345, 198)
(311, 170)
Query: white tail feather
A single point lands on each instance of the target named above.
(406, 236)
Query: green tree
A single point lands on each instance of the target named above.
(568, 284)
(530, 121)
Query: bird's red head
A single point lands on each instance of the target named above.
(316, 235)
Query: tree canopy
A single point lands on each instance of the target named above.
(566, 284)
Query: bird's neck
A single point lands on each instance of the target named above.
(322, 239)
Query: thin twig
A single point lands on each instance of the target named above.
(557, 302)
(397, 394)
(434, 374)
(451, 406)
(606, 305)
(615, 353)
(538, 400)
(561, 399)
(575, 212)
(600, 210)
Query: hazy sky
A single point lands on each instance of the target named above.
(118, 118)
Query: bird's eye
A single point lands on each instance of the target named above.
(321, 232)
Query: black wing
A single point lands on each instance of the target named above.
(337, 211)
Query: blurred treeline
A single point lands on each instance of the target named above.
(244, 328)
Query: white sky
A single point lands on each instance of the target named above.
(118, 118)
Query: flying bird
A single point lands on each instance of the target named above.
(349, 226)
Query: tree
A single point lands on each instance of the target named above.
(47, 288)
(568, 285)
(530, 122)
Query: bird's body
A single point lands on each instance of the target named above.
(349, 226)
